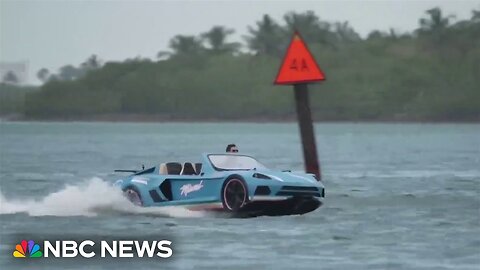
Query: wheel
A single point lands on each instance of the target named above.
(234, 194)
(133, 196)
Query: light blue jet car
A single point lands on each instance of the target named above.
(228, 182)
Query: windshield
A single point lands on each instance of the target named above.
(234, 162)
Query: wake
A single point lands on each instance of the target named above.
(90, 198)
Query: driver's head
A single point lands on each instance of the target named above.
(232, 148)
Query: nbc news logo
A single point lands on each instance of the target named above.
(85, 249)
(27, 249)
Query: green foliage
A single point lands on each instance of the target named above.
(12, 98)
(267, 37)
(43, 74)
(312, 28)
(216, 39)
(70, 72)
(433, 74)
(10, 77)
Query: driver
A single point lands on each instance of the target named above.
(232, 148)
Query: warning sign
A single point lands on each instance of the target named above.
(298, 65)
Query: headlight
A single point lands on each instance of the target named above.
(314, 176)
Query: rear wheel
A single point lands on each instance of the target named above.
(133, 196)
(234, 194)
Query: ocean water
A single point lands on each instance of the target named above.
(399, 196)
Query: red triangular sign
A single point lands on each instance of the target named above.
(298, 65)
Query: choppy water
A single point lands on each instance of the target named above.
(399, 196)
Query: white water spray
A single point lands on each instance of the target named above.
(90, 198)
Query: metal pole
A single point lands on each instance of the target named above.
(306, 130)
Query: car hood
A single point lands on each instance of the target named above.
(287, 177)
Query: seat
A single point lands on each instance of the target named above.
(174, 168)
(162, 169)
(198, 168)
(188, 169)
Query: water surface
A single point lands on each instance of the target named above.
(399, 196)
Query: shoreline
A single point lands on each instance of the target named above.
(134, 118)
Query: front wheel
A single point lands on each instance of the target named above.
(133, 196)
(234, 194)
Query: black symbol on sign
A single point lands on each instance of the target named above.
(303, 65)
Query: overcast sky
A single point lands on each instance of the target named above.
(54, 33)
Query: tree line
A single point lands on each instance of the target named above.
(430, 74)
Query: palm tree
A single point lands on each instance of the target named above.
(434, 30)
(309, 25)
(91, 63)
(43, 74)
(184, 46)
(266, 38)
(216, 39)
(436, 21)
(69, 72)
(345, 32)
(10, 77)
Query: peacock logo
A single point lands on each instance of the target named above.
(27, 249)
